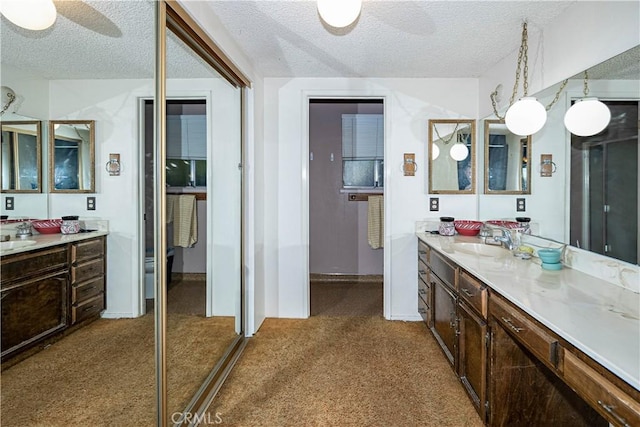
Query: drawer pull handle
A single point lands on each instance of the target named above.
(421, 272)
(422, 291)
(452, 323)
(422, 252)
(88, 288)
(421, 310)
(609, 409)
(511, 325)
(89, 308)
(466, 292)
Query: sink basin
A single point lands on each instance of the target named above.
(15, 244)
(480, 249)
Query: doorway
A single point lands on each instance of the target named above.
(604, 186)
(346, 204)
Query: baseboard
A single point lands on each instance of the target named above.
(188, 276)
(116, 315)
(408, 318)
(339, 277)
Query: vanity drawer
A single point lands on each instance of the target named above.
(423, 271)
(525, 331)
(423, 252)
(87, 290)
(473, 292)
(424, 289)
(87, 270)
(87, 309)
(425, 311)
(614, 404)
(443, 269)
(23, 265)
(87, 249)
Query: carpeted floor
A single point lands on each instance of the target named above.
(344, 366)
(104, 373)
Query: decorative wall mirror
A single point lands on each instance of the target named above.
(21, 158)
(506, 160)
(72, 156)
(452, 156)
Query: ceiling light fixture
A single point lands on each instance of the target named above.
(526, 116)
(29, 14)
(7, 97)
(587, 116)
(339, 13)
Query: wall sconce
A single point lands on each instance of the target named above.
(526, 116)
(587, 116)
(29, 14)
(7, 97)
(339, 13)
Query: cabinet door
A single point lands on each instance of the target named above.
(444, 318)
(525, 392)
(33, 310)
(472, 360)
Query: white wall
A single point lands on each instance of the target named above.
(409, 104)
(113, 104)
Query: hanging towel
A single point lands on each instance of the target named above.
(185, 221)
(375, 220)
(171, 203)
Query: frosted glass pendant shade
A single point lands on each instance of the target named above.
(435, 151)
(587, 117)
(29, 14)
(525, 117)
(339, 13)
(459, 152)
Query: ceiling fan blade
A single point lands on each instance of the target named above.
(85, 15)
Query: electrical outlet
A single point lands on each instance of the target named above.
(520, 204)
(8, 203)
(91, 203)
(434, 204)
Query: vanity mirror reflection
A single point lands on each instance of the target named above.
(72, 156)
(452, 156)
(506, 160)
(21, 158)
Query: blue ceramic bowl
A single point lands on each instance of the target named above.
(549, 255)
(552, 266)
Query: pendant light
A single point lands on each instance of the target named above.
(29, 14)
(339, 13)
(587, 116)
(459, 151)
(435, 151)
(526, 116)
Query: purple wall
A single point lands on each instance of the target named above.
(337, 227)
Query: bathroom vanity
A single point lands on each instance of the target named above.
(49, 289)
(531, 347)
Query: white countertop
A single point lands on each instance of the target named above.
(46, 240)
(599, 318)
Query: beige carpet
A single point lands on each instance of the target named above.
(104, 373)
(342, 298)
(343, 371)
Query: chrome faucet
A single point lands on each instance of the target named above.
(505, 239)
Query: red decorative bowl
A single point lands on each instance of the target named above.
(505, 224)
(47, 226)
(467, 227)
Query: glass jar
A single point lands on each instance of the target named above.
(523, 224)
(70, 225)
(447, 227)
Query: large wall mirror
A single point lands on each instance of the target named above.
(452, 156)
(72, 156)
(21, 158)
(506, 160)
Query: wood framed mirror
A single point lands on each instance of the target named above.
(72, 156)
(452, 156)
(506, 160)
(21, 157)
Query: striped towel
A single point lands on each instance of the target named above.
(171, 203)
(375, 222)
(185, 221)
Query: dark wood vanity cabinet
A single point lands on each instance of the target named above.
(87, 279)
(515, 370)
(45, 292)
(425, 292)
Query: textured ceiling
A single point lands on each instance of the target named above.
(285, 38)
